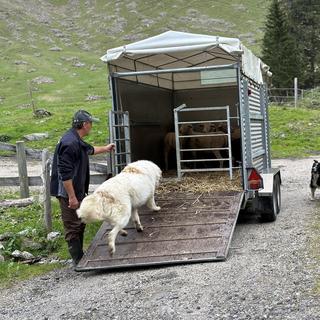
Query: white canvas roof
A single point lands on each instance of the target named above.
(174, 49)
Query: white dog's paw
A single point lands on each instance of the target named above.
(112, 249)
(139, 228)
(123, 232)
(312, 198)
(156, 208)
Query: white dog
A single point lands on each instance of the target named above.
(119, 198)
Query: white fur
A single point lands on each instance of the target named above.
(118, 198)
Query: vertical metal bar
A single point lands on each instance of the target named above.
(176, 129)
(111, 135)
(126, 123)
(238, 117)
(242, 129)
(229, 143)
(263, 128)
(295, 92)
(266, 138)
(111, 123)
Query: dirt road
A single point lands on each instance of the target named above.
(269, 274)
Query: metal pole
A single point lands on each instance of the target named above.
(158, 71)
(176, 128)
(22, 168)
(295, 92)
(229, 143)
(242, 128)
(126, 123)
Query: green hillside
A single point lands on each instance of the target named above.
(63, 41)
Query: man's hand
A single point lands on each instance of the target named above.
(108, 148)
(73, 203)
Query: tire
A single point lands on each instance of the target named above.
(270, 206)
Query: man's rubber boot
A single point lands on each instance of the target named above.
(75, 250)
(81, 239)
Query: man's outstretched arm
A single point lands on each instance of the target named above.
(108, 148)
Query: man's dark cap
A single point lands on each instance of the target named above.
(83, 116)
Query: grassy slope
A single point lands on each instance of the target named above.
(28, 31)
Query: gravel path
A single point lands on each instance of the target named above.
(269, 274)
(9, 167)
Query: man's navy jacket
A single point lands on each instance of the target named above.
(71, 161)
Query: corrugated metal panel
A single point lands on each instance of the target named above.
(258, 163)
(189, 228)
(256, 127)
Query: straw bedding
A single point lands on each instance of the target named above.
(201, 182)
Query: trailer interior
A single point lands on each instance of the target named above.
(151, 107)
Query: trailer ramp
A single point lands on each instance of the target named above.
(189, 228)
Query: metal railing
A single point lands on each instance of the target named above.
(284, 95)
(179, 137)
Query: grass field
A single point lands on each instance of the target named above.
(294, 132)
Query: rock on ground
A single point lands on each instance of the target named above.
(22, 255)
(53, 235)
(36, 136)
(55, 49)
(42, 79)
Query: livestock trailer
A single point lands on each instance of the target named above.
(158, 85)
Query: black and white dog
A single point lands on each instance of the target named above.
(315, 178)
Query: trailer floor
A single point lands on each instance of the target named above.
(189, 228)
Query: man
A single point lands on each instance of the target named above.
(70, 178)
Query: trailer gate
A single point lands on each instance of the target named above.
(179, 150)
(189, 228)
(119, 130)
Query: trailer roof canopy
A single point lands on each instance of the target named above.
(174, 49)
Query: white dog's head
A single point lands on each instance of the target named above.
(98, 207)
(90, 209)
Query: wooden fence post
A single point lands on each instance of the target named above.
(22, 168)
(46, 190)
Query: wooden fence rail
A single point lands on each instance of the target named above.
(34, 181)
(24, 181)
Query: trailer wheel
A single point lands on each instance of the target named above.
(271, 205)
